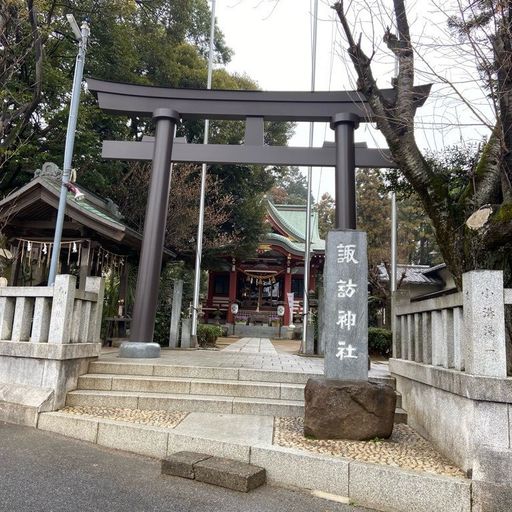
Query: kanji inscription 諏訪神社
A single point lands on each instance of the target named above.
(345, 308)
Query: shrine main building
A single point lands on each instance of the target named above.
(263, 282)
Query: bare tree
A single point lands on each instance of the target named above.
(485, 244)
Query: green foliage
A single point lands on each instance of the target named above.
(207, 334)
(380, 341)
(171, 272)
(291, 187)
(325, 208)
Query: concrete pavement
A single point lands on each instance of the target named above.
(46, 472)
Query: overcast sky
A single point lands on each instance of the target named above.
(272, 44)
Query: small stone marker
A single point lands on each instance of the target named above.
(182, 464)
(345, 318)
(232, 474)
(177, 295)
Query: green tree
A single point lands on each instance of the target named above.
(291, 187)
(151, 42)
(325, 208)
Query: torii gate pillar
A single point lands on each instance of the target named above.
(345, 177)
(148, 278)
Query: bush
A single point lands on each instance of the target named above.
(379, 341)
(208, 334)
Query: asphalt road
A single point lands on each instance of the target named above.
(40, 471)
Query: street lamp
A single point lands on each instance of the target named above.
(81, 35)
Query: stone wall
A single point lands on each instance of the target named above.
(449, 361)
(48, 337)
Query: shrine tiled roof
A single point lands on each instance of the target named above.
(292, 221)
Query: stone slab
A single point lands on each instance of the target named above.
(101, 399)
(182, 442)
(289, 467)
(182, 464)
(474, 387)
(493, 465)
(189, 403)
(21, 404)
(228, 427)
(49, 350)
(398, 490)
(268, 407)
(196, 372)
(232, 474)
(121, 368)
(491, 497)
(141, 439)
(85, 429)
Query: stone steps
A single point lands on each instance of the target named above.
(183, 385)
(150, 386)
(190, 386)
(207, 372)
(187, 403)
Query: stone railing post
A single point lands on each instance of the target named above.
(95, 285)
(62, 309)
(398, 298)
(7, 306)
(484, 323)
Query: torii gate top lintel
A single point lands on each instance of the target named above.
(320, 106)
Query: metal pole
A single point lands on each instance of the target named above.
(393, 216)
(150, 264)
(307, 253)
(68, 149)
(345, 175)
(200, 226)
(393, 242)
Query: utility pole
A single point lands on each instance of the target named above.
(82, 36)
(307, 252)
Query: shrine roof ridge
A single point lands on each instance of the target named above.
(238, 104)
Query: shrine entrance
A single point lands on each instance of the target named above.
(343, 110)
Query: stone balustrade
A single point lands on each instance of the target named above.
(48, 336)
(52, 314)
(464, 331)
(450, 365)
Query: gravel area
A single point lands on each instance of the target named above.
(405, 449)
(165, 419)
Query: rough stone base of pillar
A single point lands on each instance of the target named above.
(348, 409)
(139, 350)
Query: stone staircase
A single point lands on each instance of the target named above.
(197, 389)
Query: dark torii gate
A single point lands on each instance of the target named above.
(343, 110)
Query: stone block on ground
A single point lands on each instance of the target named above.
(344, 409)
(489, 496)
(232, 474)
(182, 464)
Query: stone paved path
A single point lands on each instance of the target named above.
(274, 361)
(252, 346)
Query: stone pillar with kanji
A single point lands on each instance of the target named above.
(346, 306)
(344, 404)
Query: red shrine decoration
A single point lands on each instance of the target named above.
(263, 282)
